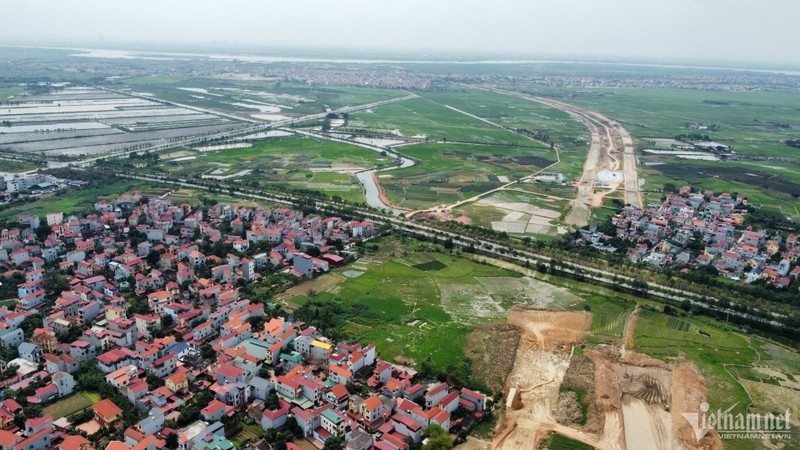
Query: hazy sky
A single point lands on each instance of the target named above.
(738, 31)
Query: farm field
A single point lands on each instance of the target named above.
(295, 162)
(419, 304)
(561, 442)
(12, 91)
(261, 100)
(435, 121)
(77, 121)
(448, 172)
(608, 318)
(516, 212)
(550, 125)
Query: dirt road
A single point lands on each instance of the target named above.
(542, 359)
(608, 139)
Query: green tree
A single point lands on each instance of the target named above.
(333, 443)
(31, 323)
(438, 438)
(55, 283)
(42, 231)
(272, 402)
(172, 440)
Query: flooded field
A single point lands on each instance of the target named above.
(79, 121)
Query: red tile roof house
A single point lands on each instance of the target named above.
(215, 410)
(407, 427)
(275, 418)
(475, 401)
(37, 424)
(225, 373)
(106, 413)
(371, 410)
(73, 442)
(435, 395)
(338, 396)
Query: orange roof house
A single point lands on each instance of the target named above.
(106, 412)
(177, 382)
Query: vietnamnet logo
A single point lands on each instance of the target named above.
(739, 426)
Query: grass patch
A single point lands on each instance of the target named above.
(11, 166)
(71, 200)
(421, 116)
(399, 307)
(560, 442)
(12, 91)
(72, 404)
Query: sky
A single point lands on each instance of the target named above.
(742, 32)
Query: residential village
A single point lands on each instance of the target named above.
(144, 297)
(32, 184)
(695, 229)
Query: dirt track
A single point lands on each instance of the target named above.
(542, 360)
(608, 139)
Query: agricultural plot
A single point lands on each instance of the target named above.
(447, 172)
(541, 122)
(257, 100)
(412, 314)
(87, 121)
(10, 92)
(608, 316)
(70, 405)
(560, 442)
(518, 212)
(248, 434)
(430, 265)
(420, 117)
(295, 162)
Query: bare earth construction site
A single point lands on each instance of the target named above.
(635, 396)
(603, 172)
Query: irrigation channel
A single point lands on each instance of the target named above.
(368, 178)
